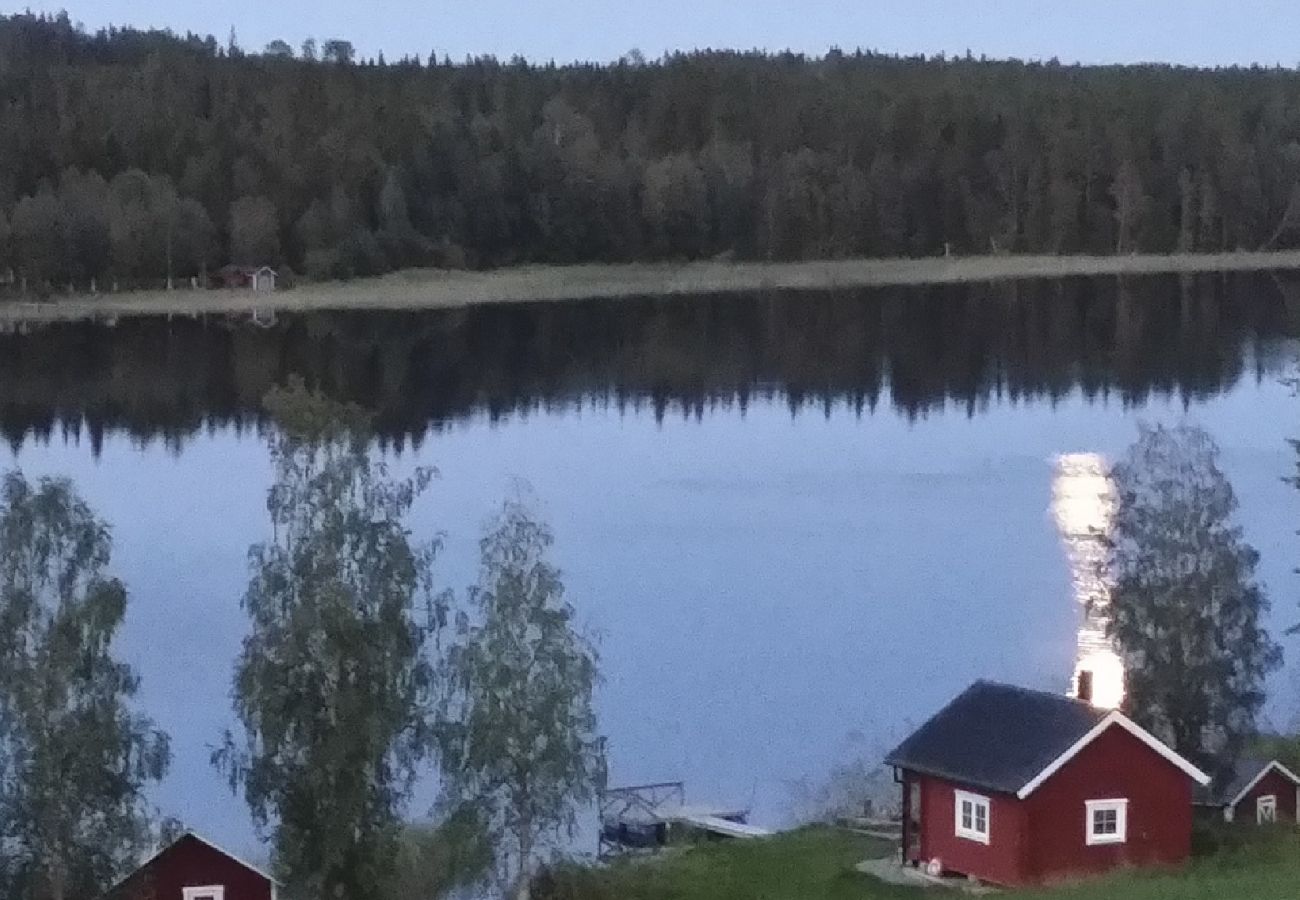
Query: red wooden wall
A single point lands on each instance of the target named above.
(1115, 765)
(999, 861)
(1043, 838)
(192, 863)
(1274, 783)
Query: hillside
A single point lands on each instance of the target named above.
(132, 155)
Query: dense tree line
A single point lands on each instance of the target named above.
(909, 350)
(130, 156)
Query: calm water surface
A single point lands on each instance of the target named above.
(799, 523)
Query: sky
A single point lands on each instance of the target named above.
(1192, 32)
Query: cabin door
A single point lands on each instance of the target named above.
(1266, 810)
(913, 830)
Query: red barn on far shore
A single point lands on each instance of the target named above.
(1017, 787)
(195, 869)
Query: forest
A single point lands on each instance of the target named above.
(139, 158)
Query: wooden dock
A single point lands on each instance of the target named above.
(649, 817)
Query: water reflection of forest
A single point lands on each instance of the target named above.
(912, 350)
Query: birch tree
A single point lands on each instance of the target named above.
(1186, 609)
(333, 687)
(520, 737)
(75, 759)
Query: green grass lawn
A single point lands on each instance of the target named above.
(817, 864)
(1267, 868)
(813, 864)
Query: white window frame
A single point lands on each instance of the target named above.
(977, 801)
(215, 891)
(1120, 808)
(1266, 802)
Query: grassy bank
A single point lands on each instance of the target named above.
(1268, 869)
(818, 864)
(432, 289)
(815, 864)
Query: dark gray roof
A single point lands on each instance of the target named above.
(1224, 790)
(996, 737)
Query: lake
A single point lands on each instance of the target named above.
(799, 522)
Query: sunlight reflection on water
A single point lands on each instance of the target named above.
(1083, 501)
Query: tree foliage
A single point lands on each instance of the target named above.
(87, 230)
(278, 49)
(254, 231)
(75, 759)
(1186, 610)
(520, 733)
(435, 860)
(694, 155)
(333, 686)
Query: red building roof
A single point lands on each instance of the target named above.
(1011, 739)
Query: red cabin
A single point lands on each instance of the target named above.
(257, 278)
(1017, 787)
(195, 869)
(1256, 792)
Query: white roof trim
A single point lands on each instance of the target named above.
(1123, 721)
(1274, 764)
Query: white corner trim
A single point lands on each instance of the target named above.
(977, 801)
(1260, 777)
(1120, 806)
(1123, 721)
(209, 892)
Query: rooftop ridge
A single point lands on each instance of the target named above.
(1037, 692)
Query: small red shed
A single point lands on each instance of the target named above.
(1017, 787)
(1255, 792)
(257, 278)
(193, 868)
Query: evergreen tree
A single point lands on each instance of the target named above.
(278, 49)
(6, 253)
(697, 154)
(254, 231)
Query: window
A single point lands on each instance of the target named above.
(1266, 810)
(1106, 822)
(972, 816)
(211, 892)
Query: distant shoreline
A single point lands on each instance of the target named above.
(415, 289)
